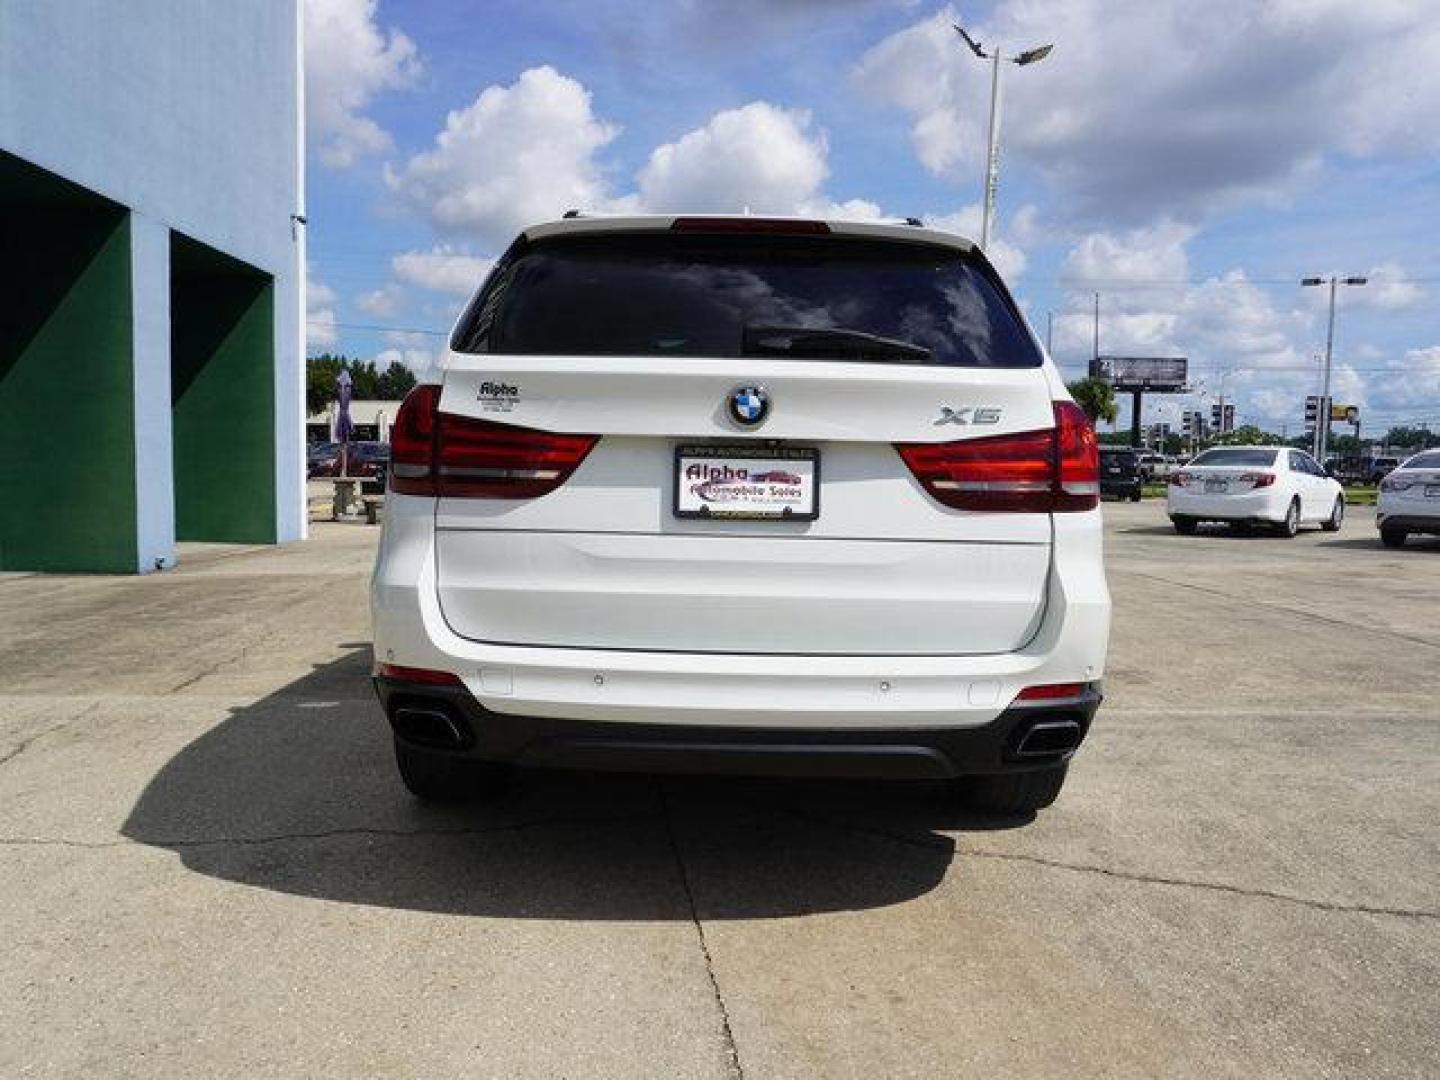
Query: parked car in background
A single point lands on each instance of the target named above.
(1410, 499)
(1381, 467)
(1254, 485)
(361, 459)
(320, 458)
(1120, 472)
(1153, 467)
(577, 569)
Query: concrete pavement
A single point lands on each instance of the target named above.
(208, 867)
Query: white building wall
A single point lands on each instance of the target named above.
(188, 112)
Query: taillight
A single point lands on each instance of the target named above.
(770, 226)
(1395, 483)
(1056, 470)
(1258, 479)
(435, 453)
(1180, 479)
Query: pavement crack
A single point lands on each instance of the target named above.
(727, 1033)
(188, 843)
(931, 841)
(25, 744)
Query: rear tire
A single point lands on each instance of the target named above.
(1337, 516)
(1290, 527)
(1393, 538)
(1009, 794)
(444, 778)
(1185, 526)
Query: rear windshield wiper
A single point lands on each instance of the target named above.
(827, 341)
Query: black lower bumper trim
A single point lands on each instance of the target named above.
(911, 753)
(1410, 523)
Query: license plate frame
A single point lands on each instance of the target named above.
(1432, 491)
(688, 505)
(1217, 487)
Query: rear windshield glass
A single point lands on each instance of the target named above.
(820, 298)
(1429, 460)
(1116, 451)
(1235, 455)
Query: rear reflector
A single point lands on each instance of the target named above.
(428, 676)
(1051, 471)
(750, 225)
(1051, 692)
(435, 453)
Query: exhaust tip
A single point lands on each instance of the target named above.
(428, 725)
(1049, 738)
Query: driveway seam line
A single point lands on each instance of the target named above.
(1123, 875)
(726, 1031)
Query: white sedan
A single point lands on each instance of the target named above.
(1254, 485)
(1410, 499)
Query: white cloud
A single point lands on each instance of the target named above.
(1149, 254)
(1146, 109)
(349, 60)
(1388, 289)
(383, 302)
(320, 329)
(516, 155)
(418, 352)
(758, 156)
(442, 269)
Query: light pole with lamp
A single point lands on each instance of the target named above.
(1322, 422)
(992, 154)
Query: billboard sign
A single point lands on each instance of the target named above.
(1163, 374)
(1347, 414)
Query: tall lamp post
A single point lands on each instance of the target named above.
(992, 155)
(1322, 422)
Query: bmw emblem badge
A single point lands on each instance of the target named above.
(749, 405)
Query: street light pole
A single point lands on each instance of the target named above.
(992, 152)
(1322, 419)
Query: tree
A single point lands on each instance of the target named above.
(1408, 437)
(1248, 435)
(1096, 396)
(322, 381)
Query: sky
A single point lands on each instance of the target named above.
(1187, 162)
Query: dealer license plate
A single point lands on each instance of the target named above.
(1220, 486)
(773, 484)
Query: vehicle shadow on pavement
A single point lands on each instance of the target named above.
(298, 793)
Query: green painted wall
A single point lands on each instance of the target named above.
(222, 318)
(67, 438)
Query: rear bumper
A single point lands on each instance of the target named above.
(1408, 520)
(1022, 737)
(1265, 504)
(719, 692)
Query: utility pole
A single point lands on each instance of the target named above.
(992, 153)
(1322, 422)
(1096, 352)
(1050, 333)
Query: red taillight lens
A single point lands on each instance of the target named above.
(412, 443)
(1258, 479)
(478, 459)
(428, 676)
(1051, 692)
(1050, 471)
(1180, 479)
(435, 453)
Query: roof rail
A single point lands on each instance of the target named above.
(571, 214)
(915, 221)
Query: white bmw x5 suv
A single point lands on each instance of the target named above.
(736, 494)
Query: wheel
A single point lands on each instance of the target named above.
(443, 778)
(1185, 526)
(1337, 516)
(1009, 794)
(1392, 537)
(1291, 525)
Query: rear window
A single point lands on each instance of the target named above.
(1236, 455)
(1117, 452)
(821, 298)
(1430, 460)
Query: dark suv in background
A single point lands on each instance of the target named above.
(1120, 472)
